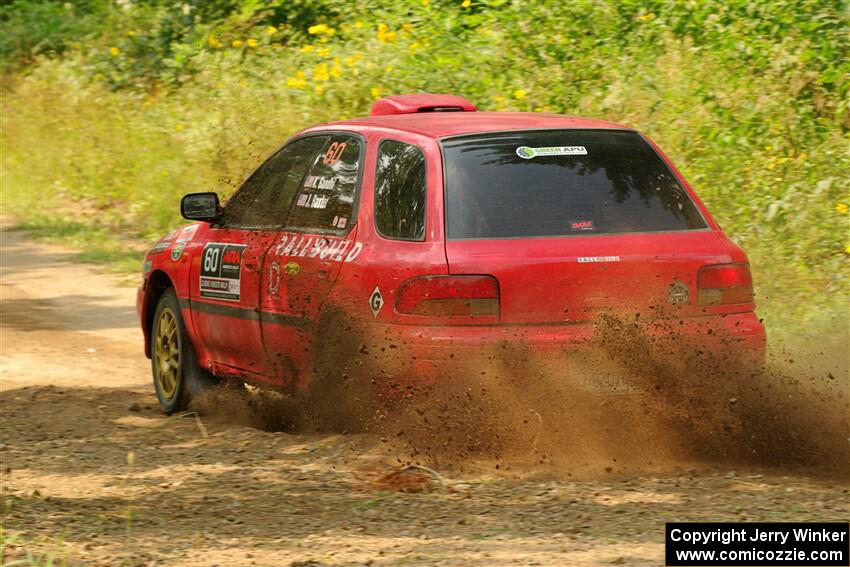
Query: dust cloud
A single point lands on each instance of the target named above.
(631, 401)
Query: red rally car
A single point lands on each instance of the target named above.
(444, 231)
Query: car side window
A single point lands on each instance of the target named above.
(400, 186)
(264, 200)
(325, 199)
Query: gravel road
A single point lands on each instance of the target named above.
(94, 474)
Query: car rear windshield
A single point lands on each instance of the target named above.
(561, 182)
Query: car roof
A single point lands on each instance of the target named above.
(445, 124)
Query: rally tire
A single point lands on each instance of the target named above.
(177, 377)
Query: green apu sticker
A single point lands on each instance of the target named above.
(527, 153)
(177, 251)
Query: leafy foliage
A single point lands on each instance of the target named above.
(144, 101)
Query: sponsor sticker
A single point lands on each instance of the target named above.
(160, 246)
(177, 251)
(678, 294)
(188, 233)
(528, 153)
(335, 250)
(582, 225)
(292, 269)
(164, 242)
(591, 259)
(221, 271)
(376, 301)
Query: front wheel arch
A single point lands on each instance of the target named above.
(191, 380)
(158, 283)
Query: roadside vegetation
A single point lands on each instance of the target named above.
(114, 109)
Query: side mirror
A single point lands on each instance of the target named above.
(201, 207)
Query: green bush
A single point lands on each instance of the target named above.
(749, 98)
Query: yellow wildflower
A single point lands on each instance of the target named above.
(519, 94)
(306, 49)
(350, 61)
(131, 33)
(271, 30)
(336, 71)
(426, 3)
(236, 43)
(213, 41)
(646, 17)
(407, 27)
(358, 24)
(114, 51)
(376, 92)
(413, 47)
(179, 128)
(296, 82)
(320, 72)
(847, 249)
(841, 208)
(358, 56)
(388, 69)
(385, 36)
(465, 4)
(319, 89)
(324, 52)
(320, 29)
(252, 42)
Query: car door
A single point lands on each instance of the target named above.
(303, 264)
(227, 274)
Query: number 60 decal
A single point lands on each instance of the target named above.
(211, 256)
(334, 153)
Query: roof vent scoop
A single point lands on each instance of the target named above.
(424, 102)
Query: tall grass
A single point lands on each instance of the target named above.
(750, 99)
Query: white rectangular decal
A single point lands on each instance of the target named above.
(590, 259)
(527, 153)
(221, 271)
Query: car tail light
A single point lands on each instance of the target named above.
(449, 296)
(725, 284)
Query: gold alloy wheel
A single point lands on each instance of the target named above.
(167, 352)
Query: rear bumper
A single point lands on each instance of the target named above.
(739, 335)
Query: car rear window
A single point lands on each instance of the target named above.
(561, 182)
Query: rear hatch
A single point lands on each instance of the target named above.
(574, 223)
